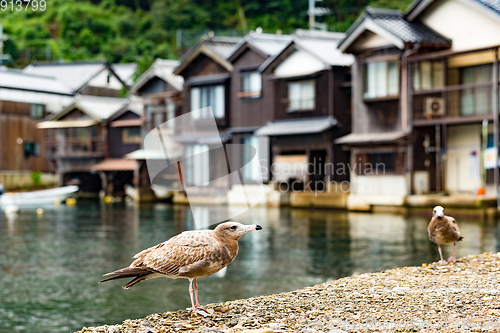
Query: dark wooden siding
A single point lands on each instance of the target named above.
(321, 93)
(249, 111)
(201, 66)
(75, 114)
(373, 116)
(99, 91)
(116, 147)
(16, 125)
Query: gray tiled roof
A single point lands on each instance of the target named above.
(393, 22)
(324, 45)
(125, 72)
(72, 74)
(408, 32)
(17, 79)
(491, 4)
(269, 44)
(297, 126)
(97, 107)
(373, 138)
(223, 46)
(162, 68)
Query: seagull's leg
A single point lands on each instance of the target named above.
(442, 261)
(196, 293)
(191, 295)
(198, 306)
(452, 258)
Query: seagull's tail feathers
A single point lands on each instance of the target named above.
(139, 274)
(461, 238)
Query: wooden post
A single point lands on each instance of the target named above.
(495, 120)
(409, 119)
(438, 157)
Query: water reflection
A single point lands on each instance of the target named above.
(50, 264)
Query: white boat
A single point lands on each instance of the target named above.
(38, 198)
(162, 192)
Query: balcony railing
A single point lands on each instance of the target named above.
(467, 100)
(75, 147)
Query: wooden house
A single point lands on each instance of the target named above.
(309, 107)
(423, 83)
(161, 96)
(207, 83)
(123, 136)
(454, 107)
(88, 132)
(379, 139)
(252, 96)
(25, 99)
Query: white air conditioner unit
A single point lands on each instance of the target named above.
(433, 107)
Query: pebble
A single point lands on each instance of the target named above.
(463, 296)
(146, 323)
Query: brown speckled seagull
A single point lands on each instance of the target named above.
(189, 255)
(443, 230)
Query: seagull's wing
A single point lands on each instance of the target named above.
(191, 248)
(453, 228)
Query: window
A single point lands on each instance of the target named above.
(203, 97)
(131, 135)
(428, 75)
(36, 111)
(381, 79)
(251, 85)
(302, 96)
(170, 112)
(381, 162)
(476, 101)
(31, 149)
(251, 163)
(197, 167)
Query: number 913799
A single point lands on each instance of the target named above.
(20, 5)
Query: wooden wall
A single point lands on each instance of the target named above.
(201, 66)
(321, 88)
(116, 147)
(16, 128)
(377, 115)
(249, 111)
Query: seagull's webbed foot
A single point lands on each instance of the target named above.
(442, 262)
(203, 312)
(452, 259)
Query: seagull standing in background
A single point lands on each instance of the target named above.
(443, 230)
(189, 255)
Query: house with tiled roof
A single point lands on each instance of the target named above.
(86, 78)
(424, 87)
(309, 106)
(25, 99)
(207, 73)
(90, 136)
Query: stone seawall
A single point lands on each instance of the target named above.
(460, 297)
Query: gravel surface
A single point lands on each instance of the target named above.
(459, 297)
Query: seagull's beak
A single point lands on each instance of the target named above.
(253, 228)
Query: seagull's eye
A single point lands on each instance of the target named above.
(233, 227)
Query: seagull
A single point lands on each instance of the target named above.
(189, 255)
(443, 230)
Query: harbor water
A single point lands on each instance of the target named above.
(50, 263)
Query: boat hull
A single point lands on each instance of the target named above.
(38, 198)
